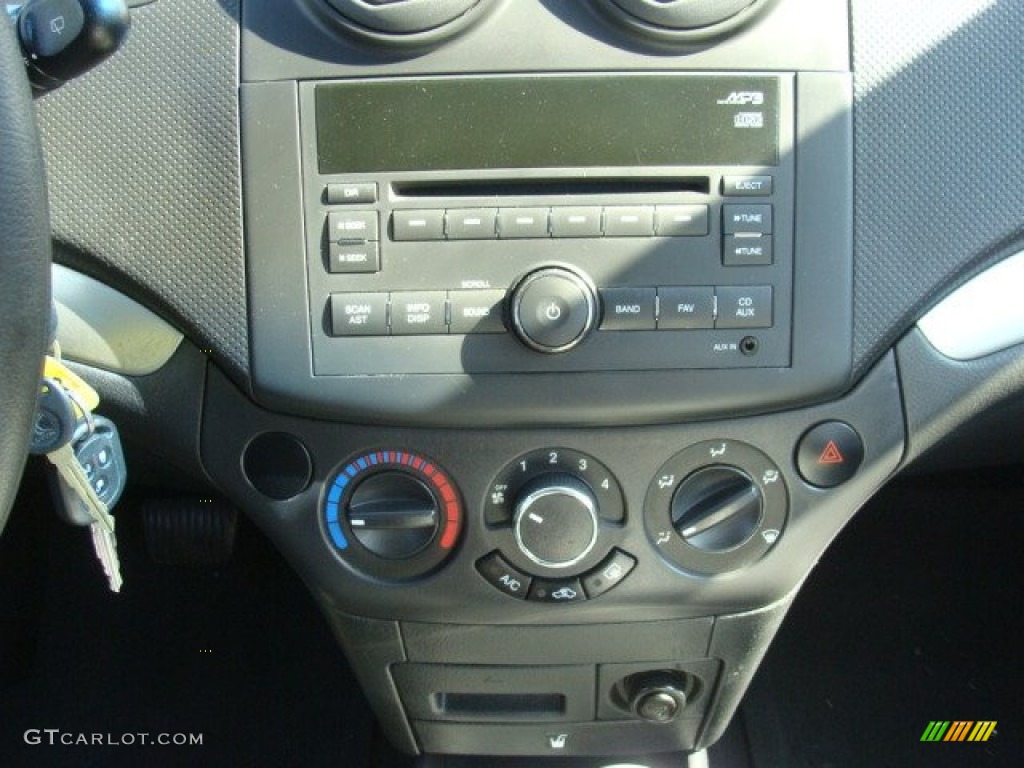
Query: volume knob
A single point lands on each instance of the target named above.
(556, 520)
(553, 309)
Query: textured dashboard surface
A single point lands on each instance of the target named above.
(143, 157)
(938, 160)
(145, 184)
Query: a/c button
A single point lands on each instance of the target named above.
(503, 576)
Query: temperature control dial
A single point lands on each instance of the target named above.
(392, 514)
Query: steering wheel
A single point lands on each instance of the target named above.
(24, 265)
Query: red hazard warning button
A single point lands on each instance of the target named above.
(829, 454)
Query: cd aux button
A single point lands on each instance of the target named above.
(748, 306)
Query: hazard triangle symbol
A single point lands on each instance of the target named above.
(831, 454)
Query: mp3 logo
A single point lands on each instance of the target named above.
(743, 98)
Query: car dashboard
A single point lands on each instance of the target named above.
(551, 343)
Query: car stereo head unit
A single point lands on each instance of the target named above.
(553, 223)
(542, 248)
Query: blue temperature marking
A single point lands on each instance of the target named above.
(373, 459)
(337, 536)
(336, 490)
(362, 463)
(351, 470)
(332, 512)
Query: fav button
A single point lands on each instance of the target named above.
(829, 454)
(686, 307)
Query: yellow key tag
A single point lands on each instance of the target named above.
(55, 369)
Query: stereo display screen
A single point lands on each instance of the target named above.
(483, 123)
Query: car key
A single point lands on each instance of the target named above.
(55, 420)
(93, 466)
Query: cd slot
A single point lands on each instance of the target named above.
(524, 188)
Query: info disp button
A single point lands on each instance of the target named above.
(553, 309)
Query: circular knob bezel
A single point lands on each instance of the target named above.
(335, 519)
(586, 288)
(765, 474)
(558, 486)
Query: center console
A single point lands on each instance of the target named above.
(550, 330)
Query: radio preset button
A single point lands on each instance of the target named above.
(476, 311)
(686, 307)
(628, 309)
(351, 194)
(471, 224)
(352, 226)
(748, 306)
(753, 219)
(359, 314)
(418, 313)
(578, 221)
(515, 223)
(629, 221)
(417, 225)
(354, 258)
(747, 186)
(747, 250)
(681, 220)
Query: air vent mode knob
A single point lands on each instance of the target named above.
(553, 309)
(717, 508)
(556, 520)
